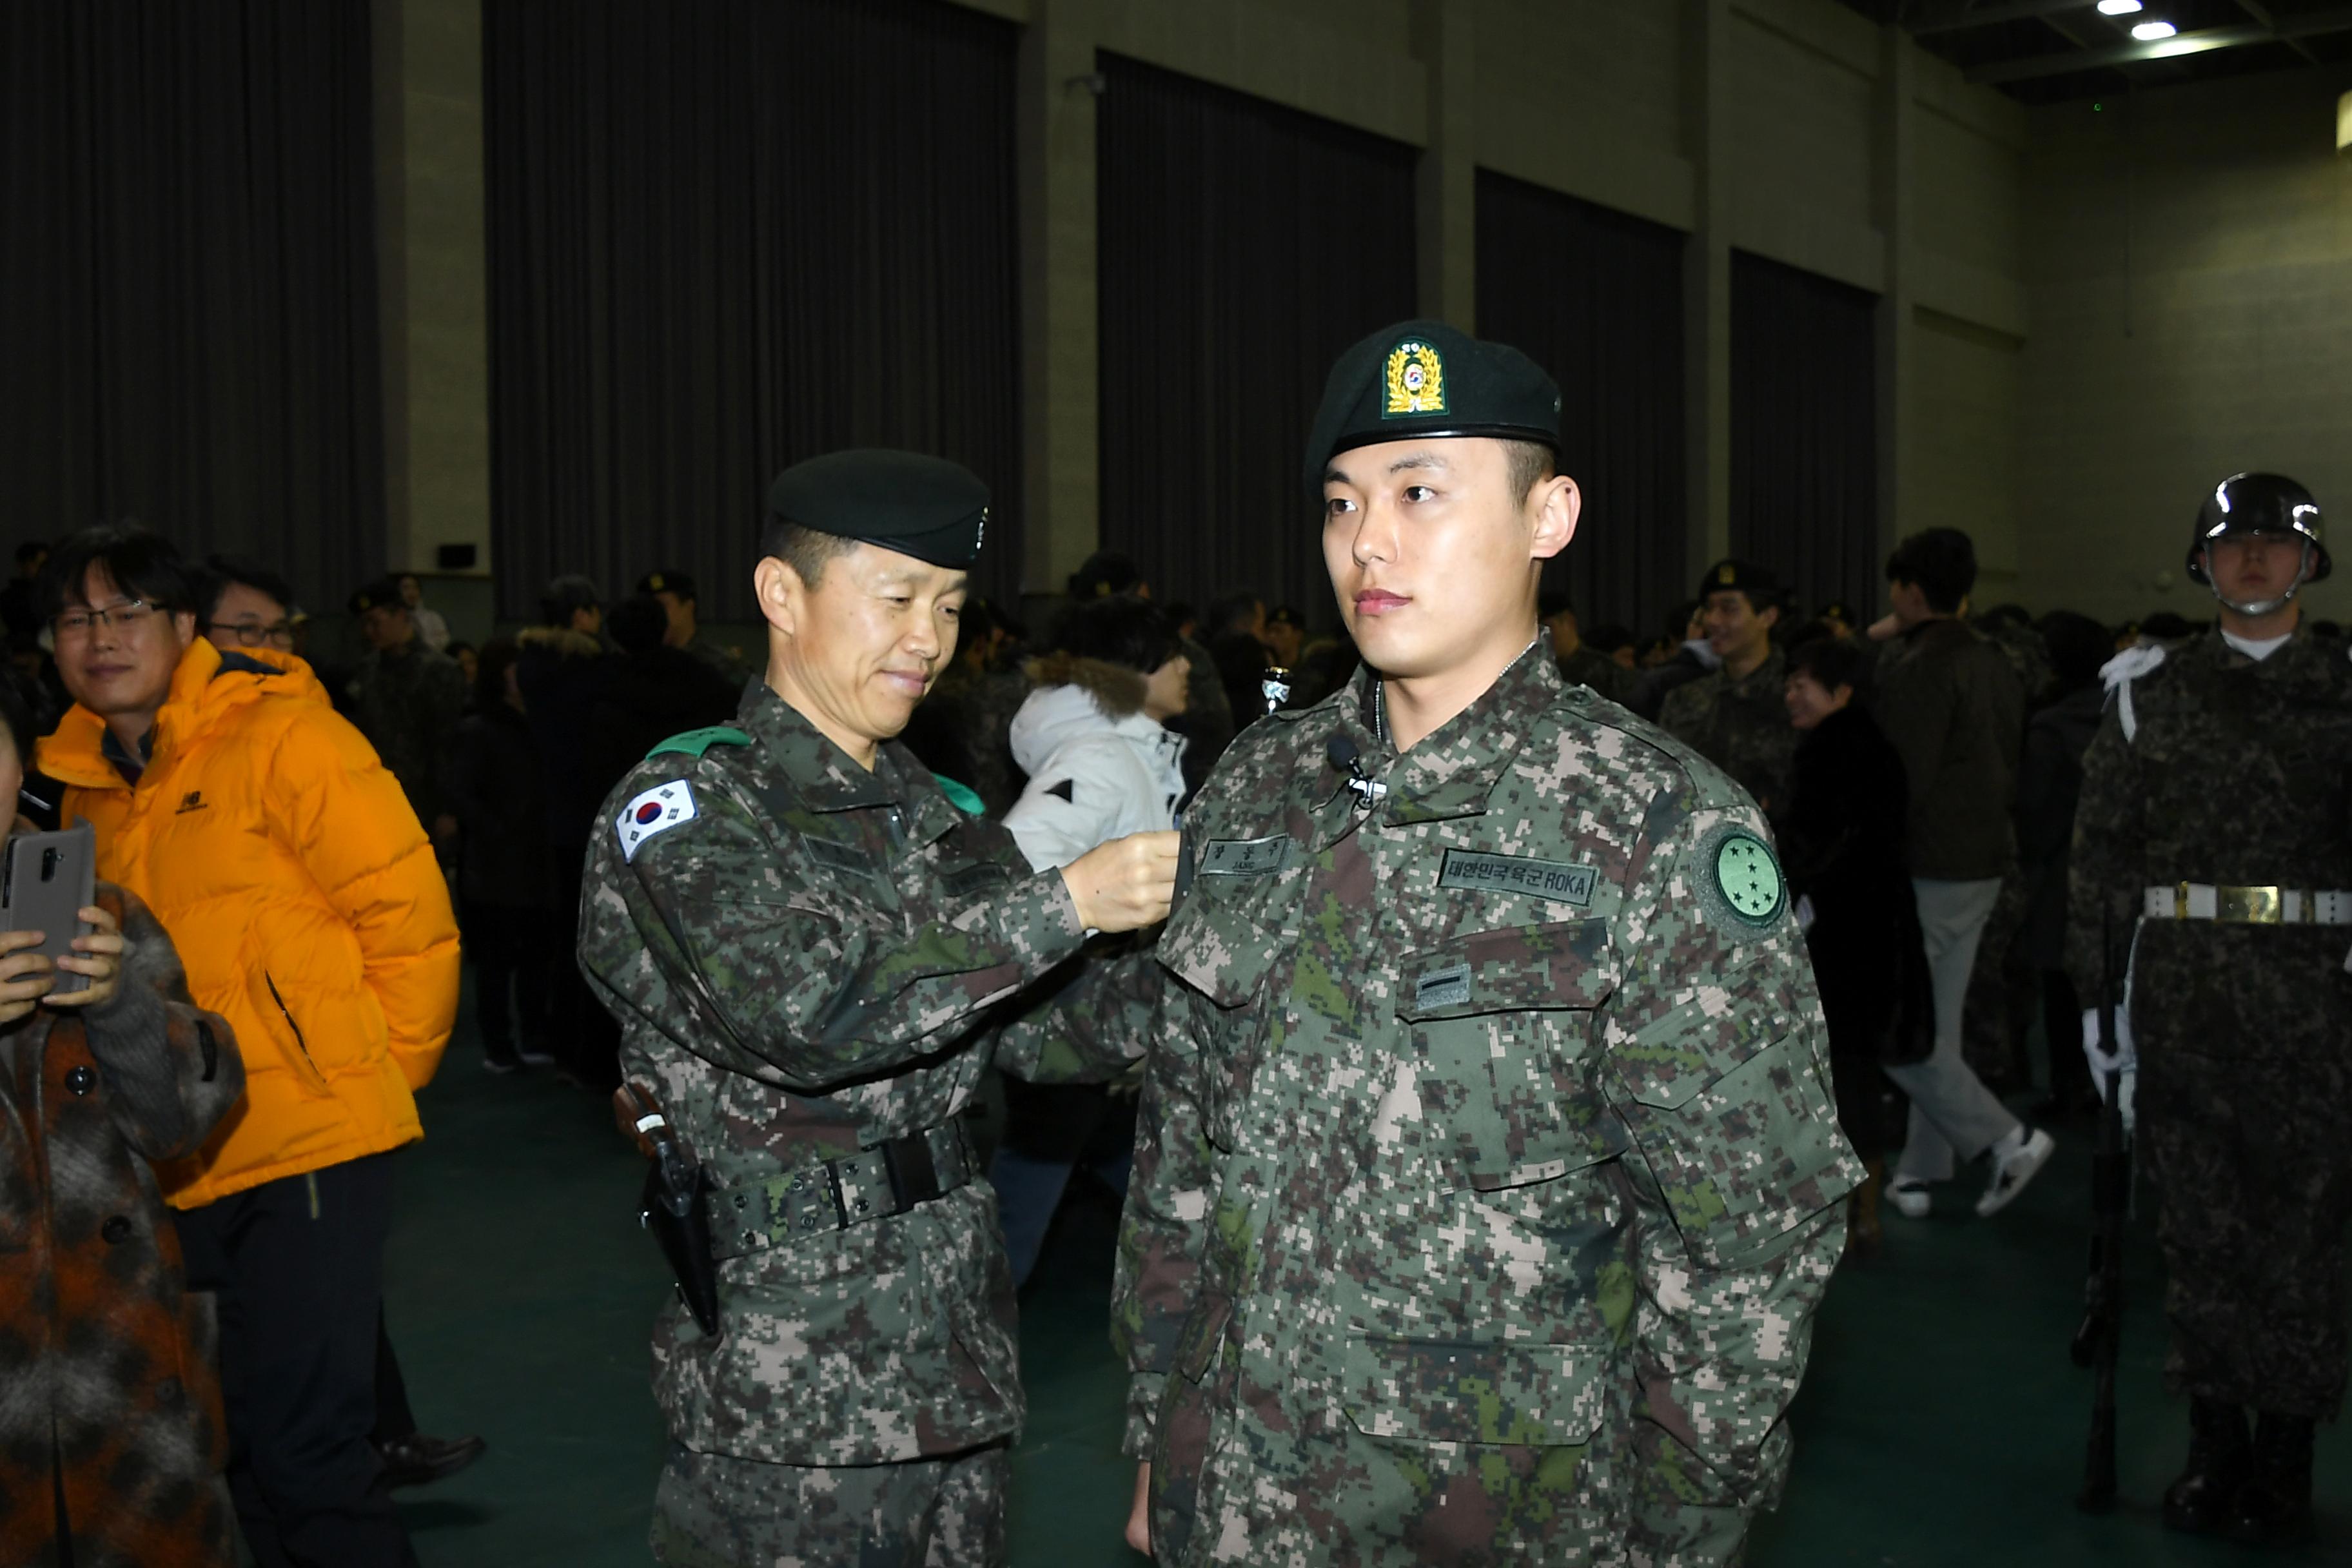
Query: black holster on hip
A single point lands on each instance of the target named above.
(671, 1205)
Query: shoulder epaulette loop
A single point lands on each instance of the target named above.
(694, 743)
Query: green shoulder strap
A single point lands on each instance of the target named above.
(694, 743)
(967, 799)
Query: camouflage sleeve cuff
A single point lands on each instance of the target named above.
(1037, 923)
(1142, 1413)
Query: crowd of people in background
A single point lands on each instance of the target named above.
(1921, 772)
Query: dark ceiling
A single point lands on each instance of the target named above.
(2041, 51)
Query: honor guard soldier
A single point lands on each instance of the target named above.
(1487, 1175)
(2213, 904)
(806, 945)
(1737, 716)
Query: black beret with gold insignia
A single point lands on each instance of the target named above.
(1418, 379)
(383, 592)
(924, 506)
(1762, 588)
(669, 580)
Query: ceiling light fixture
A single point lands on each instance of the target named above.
(2117, 7)
(2150, 32)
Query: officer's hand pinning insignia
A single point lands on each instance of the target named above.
(663, 806)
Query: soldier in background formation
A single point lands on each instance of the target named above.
(1487, 1176)
(407, 698)
(1734, 716)
(2213, 906)
(808, 947)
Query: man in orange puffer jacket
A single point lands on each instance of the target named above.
(306, 905)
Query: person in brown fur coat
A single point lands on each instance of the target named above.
(111, 1441)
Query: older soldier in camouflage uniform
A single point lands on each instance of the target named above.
(2213, 853)
(805, 944)
(1735, 716)
(407, 698)
(1488, 1177)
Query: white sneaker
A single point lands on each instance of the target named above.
(1910, 1198)
(2011, 1171)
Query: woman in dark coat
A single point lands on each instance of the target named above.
(111, 1442)
(1842, 844)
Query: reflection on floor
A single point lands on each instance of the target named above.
(1942, 1422)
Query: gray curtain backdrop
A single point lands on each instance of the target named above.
(727, 235)
(1242, 245)
(1596, 298)
(1804, 432)
(188, 326)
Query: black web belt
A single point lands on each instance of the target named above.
(878, 1181)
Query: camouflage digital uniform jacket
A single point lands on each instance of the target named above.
(1487, 1173)
(407, 703)
(1741, 726)
(808, 962)
(2236, 773)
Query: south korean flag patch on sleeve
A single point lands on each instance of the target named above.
(656, 810)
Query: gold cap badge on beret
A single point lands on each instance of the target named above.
(653, 584)
(1416, 381)
(1726, 572)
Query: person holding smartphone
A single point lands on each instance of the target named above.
(111, 1447)
(301, 891)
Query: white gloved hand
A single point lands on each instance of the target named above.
(2122, 1061)
(1805, 913)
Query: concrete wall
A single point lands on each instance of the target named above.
(2190, 290)
(1790, 127)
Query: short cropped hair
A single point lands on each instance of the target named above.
(222, 573)
(804, 550)
(1121, 629)
(142, 564)
(1942, 563)
(1531, 463)
(637, 624)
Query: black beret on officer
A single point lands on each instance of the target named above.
(669, 580)
(1733, 576)
(925, 507)
(380, 593)
(1424, 378)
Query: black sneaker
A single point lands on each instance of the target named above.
(417, 1459)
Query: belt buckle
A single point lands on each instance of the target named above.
(914, 1176)
(2248, 906)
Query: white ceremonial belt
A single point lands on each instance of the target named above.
(2248, 906)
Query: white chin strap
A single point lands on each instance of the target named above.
(2258, 608)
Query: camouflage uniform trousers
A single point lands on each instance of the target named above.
(713, 1511)
(2244, 1092)
(2001, 990)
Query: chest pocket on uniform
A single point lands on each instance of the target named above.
(1501, 1023)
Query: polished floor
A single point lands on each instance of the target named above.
(1941, 1423)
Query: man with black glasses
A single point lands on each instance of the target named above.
(268, 838)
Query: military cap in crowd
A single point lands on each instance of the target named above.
(1103, 574)
(1841, 612)
(569, 592)
(1424, 378)
(378, 594)
(668, 581)
(920, 506)
(2259, 504)
(1731, 576)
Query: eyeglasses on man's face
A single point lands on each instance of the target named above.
(256, 634)
(126, 617)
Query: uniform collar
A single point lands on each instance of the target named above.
(827, 779)
(1452, 771)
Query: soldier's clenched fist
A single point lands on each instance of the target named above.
(1126, 884)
